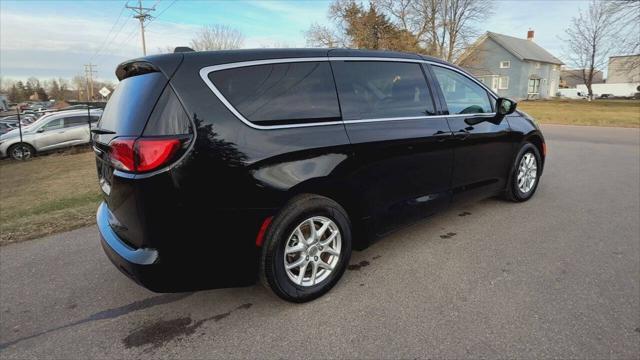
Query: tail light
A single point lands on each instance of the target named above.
(143, 154)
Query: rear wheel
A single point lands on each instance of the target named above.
(21, 151)
(306, 248)
(525, 174)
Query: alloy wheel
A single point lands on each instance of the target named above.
(312, 251)
(21, 153)
(527, 173)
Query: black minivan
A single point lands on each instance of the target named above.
(219, 168)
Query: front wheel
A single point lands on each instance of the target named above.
(21, 151)
(306, 248)
(525, 174)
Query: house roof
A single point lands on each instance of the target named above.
(524, 49)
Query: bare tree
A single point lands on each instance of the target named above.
(360, 26)
(626, 19)
(443, 27)
(217, 37)
(590, 40)
(275, 45)
(322, 36)
(166, 49)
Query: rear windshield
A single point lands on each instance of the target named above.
(280, 93)
(128, 109)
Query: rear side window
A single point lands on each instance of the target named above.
(375, 89)
(168, 117)
(53, 125)
(280, 93)
(463, 96)
(75, 121)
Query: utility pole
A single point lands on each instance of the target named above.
(88, 73)
(142, 14)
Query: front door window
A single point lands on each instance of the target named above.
(462, 95)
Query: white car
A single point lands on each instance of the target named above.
(52, 131)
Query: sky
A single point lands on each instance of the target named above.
(50, 39)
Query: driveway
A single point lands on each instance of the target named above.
(557, 276)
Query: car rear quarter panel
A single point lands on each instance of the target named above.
(243, 167)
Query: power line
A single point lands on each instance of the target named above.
(162, 12)
(142, 14)
(132, 35)
(110, 32)
(127, 38)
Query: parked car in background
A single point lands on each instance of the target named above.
(6, 126)
(52, 131)
(218, 168)
(40, 105)
(25, 119)
(78, 107)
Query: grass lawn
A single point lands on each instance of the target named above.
(622, 113)
(47, 195)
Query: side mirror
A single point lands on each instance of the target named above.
(504, 107)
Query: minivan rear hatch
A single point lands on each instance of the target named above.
(143, 128)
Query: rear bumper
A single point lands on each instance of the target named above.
(140, 265)
(111, 239)
(195, 261)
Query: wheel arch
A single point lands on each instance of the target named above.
(349, 198)
(33, 148)
(536, 139)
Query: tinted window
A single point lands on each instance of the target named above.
(130, 105)
(75, 121)
(463, 96)
(374, 89)
(168, 117)
(280, 93)
(53, 125)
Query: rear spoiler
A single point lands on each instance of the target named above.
(134, 68)
(165, 63)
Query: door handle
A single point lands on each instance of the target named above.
(442, 135)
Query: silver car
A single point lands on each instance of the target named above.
(51, 131)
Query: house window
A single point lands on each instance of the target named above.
(503, 83)
(534, 86)
(505, 64)
(537, 65)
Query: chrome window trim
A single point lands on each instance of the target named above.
(205, 71)
(204, 74)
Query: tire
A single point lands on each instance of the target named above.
(515, 190)
(27, 151)
(282, 234)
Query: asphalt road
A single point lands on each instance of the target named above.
(558, 276)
